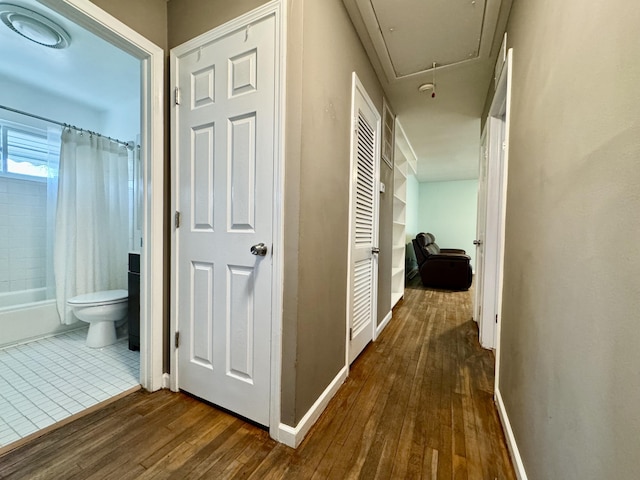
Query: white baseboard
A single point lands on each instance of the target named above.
(166, 380)
(383, 324)
(293, 437)
(511, 439)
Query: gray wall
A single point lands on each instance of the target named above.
(190, 18)
(323, 51)
(147, 17)
(570, 374)
(317, 198)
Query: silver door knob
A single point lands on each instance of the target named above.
(260, 249)
(375, 250)
(477, 242)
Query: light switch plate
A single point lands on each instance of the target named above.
(382, 187)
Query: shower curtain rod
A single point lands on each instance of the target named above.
(129, 145)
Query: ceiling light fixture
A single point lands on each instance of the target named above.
(34, 26)
(430, 87)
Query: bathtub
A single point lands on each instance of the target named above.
(27, 315)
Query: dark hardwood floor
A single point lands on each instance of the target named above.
(418, 404)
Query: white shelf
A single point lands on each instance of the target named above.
(398, 229)
(397, 259)
(399, 225)
(400, 174)
(395, 298)
(400, 199)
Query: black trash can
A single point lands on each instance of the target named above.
(134, 301)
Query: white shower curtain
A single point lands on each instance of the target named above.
(91, 234)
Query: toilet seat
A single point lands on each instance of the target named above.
(106, 297)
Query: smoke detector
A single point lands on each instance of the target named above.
(34, 26)
(430, 87)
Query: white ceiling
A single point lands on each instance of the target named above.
(403, 39)
(90, 71)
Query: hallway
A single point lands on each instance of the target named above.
(417, 404)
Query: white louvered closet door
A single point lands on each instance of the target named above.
(363, 281)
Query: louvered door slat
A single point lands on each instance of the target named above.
(364, 211)
(365, 182)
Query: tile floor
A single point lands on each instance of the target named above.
(47, 380)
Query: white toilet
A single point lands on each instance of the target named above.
(101, 310)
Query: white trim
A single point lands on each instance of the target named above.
(383, 324)
(497, 132)
(293, 437)
(387, 112)
(175, 182)
(511, 439)
(277, 8)
(166, 380)
(502, 58)
(503, 217)
(280, 8)
(352, 140)
(406, 148)
(99, 22)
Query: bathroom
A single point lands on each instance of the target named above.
(93, 86)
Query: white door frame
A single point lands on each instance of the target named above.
(497, 138)
(503, 91)
(276, 8)
(357, 86)
(99, 22)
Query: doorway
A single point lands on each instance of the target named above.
(491, 212)
(148, 64)
(362, 295)
(227, 242)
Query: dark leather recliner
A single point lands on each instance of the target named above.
(442, 268)
(429, 238)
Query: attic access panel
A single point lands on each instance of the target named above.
(417, 33)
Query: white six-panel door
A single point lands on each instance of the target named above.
(225, 167)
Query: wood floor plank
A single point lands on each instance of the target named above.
(251, 456)
(390, 421)
(273, 466)
(418, 403)
(430, 464)
(419, 440)
(55, 440)
(99, 463)
(51, 463)
(184, 428)
(197, 463)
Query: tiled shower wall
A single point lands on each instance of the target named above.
(23, 211)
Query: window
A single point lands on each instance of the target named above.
(23, 152)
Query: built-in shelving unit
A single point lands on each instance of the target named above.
(404, 165)
(399, 225)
